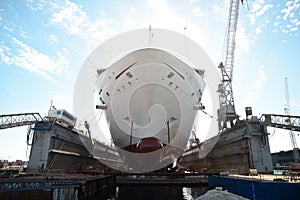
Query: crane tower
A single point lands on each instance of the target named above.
(287, 112)
(226, 112)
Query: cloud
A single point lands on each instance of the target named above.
(197, 12)
(62, 101)
(255, 87)
(283, 30)
(36, 5)
(293, 29)
(192, 2)
(296, 22)
(132, 9)
(263, 10)
(5, 27)
(204, 23)
(295, 103)
(32, 60)
(159, 14)
(71, 17)
(242, 42)
(258, 30)
(257, 5)
(288, 3)
(289, 19)
(52, 39)
(291, 7)
(258, 9)
(75, 21)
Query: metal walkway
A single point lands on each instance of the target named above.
(21, 119)
(287, 122)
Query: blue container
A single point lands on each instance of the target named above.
(256, 189)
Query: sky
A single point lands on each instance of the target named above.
(44, 43)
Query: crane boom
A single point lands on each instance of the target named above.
(230, 38)
(226, 112)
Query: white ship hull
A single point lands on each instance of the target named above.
(148, 94)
